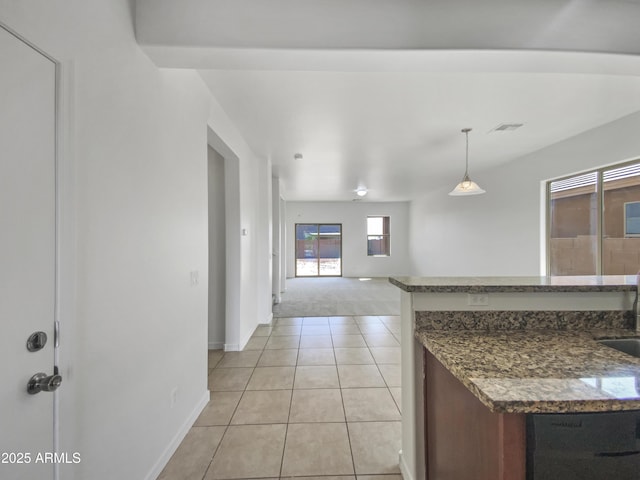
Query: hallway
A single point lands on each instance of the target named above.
(313, 397)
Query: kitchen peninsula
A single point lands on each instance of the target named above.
(481, 353)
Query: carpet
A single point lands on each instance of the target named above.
(310, 297)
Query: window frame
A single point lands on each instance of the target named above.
(295, 249)
(600, 172)
(386, 222)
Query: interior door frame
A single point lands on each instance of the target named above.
(65, 400)
(295, 253)
(64, 436)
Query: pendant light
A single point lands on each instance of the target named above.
(467, 186)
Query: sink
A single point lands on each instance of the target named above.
(630, 346)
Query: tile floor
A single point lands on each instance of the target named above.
(312, 397)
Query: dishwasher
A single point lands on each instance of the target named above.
(586, 446)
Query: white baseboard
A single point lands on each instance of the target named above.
(235, 347)
(404, 468)
(216, 345)
(268, 322)
(244, 342)
(178, 437)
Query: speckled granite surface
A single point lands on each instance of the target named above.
(540, 371)
(607, 283)
(520, 320)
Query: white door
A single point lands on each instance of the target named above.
(27, 255)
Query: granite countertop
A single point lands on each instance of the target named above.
(540, 371)
(593, 283)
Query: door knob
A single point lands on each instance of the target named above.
(41, 382)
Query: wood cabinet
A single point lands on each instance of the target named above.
(464, 439)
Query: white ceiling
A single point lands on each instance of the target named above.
(390, 119)
(574, 25)
(399, 133)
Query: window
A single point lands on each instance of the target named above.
(594, 222)
(378, 236)
(318, 250)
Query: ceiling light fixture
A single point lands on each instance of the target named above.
(361, 191)
(466, 186)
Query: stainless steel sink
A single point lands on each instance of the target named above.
(630, 346)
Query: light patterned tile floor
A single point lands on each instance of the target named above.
(314, 398)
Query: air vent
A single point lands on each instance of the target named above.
(507, 127)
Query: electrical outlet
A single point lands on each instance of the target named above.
(173, 397)
(477, 299)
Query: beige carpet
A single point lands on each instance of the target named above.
(310, 297)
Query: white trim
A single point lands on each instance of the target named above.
(235, 347)
(410, 404)
(68, 251)
(59, 193)
(178, 438)
(243, 343)
(66, 398)
(216, 345)
(404, 469)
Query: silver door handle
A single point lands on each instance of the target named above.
(41, 382)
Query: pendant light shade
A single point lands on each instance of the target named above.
(467, 186)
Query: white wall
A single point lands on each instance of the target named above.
(283, 243)
(353, 217)
(278, 239)
(138, 329)
(500, 233)
(248, 208)
(264, 244)
(217, 250)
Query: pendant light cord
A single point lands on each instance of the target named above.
(466, 166)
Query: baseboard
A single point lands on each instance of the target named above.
(404, 468)
(231, 347)
(268, 322)
(178, 438)
(216, 345)
(244, 342)
(235, 347)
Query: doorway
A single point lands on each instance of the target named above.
(318, 250)
(217, 250)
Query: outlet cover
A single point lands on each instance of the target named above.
(477, 299)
